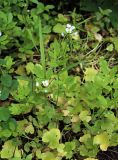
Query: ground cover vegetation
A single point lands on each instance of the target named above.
(58, 80)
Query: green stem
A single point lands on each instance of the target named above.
(43, 61)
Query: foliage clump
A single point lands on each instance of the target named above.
(58, 83)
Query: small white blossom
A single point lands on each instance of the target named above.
(37, 84)
(72, 27)
(62, 34)
(45, 83)
(69, 28)
(68, 25)
(28, 10)
(0, 33)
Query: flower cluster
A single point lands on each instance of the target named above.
(45, 83)
(69, 28)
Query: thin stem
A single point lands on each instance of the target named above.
(43, 60)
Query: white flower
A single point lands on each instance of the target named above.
(45, 83)
(0, 34)
(68, 25)
(37, 84)
(0, 93)
(69, 28)
(62, 34)
(72, 27)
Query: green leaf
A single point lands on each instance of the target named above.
(2, 62)
(104, 66)
(30, 67)
(52, 137)
(24, 88)
(102, 101)
(84, 116)
(20, 70)
(46, 29)
(29, 157)
(48, 156)
(115, 41)
(5, 133)
(9, 17)
(9, 62)
(105, 12)
(29, 129)
(12, 124)
(62, 18)
(4, 114)
(59, 28)
(38, 153)
(17, 153)
(88, 151)
(34, 1)
(8, 149)
(40, 7)
(61, 150)
(38, 71)
(48, 7)
(85, 137)
(6, 80)
(17, 109)
(110, 48)
(21, 125)
(90, 74)
(69, 148)
(16, 158)
(103, 140)
(4, 94)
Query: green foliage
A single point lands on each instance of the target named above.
(52, 137)
(58, 82)
(59, 28)
(106, 7)
(9, 150)
(4, 114)
(82, 97)
(103, 140)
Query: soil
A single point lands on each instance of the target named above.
(110, 154)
